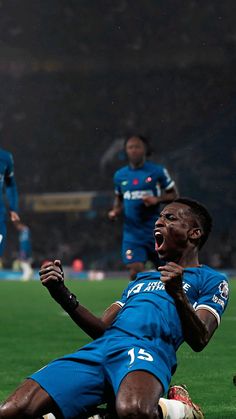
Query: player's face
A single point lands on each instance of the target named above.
(135, 150)
(172, 231)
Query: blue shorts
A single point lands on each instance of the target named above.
(78, 381)
(138, 252)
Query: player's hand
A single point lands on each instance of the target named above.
(150, 200)
(51, 273)
(14, 217)
(172, 277)
(112, 215)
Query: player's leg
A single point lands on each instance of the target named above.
(27, 271)
(28, 401)
(134, 257)
(138, 396)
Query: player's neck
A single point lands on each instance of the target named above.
(137, 165)
(189, 260)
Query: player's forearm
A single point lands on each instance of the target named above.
(89, 323)
(168, 196)
(118, 205)
(195, 331)
(12, 197)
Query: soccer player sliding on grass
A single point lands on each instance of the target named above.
(136, 340)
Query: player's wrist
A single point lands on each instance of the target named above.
(63, 296)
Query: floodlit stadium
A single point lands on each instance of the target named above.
(77, 79)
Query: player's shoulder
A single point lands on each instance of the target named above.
(150, 275)
(121, 171)
(211, 272)
(5, 155)
(210, 277)
(152, 167)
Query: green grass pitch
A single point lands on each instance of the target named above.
(35, 330)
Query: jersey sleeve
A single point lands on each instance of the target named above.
(117, 184)
(214, 296)
(121, 302)
(165, 181)
(11, 188)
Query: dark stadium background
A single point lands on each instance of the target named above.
(77, 76)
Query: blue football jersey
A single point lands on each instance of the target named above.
(149, 312)
(7, 183)
(133, 185)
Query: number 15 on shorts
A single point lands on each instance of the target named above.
(140, 354)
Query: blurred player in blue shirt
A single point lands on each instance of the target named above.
(140, 188)
(135, 341)
(7, 188)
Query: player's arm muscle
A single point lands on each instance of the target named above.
(209, 320)
(198, 326)
(52, 277)
(92, 325)
(168, 195)
(110, 314)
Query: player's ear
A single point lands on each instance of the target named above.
(195, 233)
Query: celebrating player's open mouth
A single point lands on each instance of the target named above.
(159, 239)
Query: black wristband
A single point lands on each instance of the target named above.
(63, 296)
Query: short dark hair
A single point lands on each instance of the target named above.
(145, 140)
(202, 215)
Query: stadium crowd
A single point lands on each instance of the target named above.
(76, 80)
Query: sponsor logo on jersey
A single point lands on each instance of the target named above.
(135, 182)
(138, 194)
(153, 286)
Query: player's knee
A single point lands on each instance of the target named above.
(133, 409)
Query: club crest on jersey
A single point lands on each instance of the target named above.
(148, 180)
(129, 254)
(224, 289)
(135, 182)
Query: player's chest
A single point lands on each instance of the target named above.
(140, 181)
(157, 287)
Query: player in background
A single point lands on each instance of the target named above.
(25, 250)
(8, 190)
(140, 188)
(136, 340)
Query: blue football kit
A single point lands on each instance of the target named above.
(8, 187)
(145, 335)
(132, 184)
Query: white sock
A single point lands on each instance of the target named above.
(172, 409)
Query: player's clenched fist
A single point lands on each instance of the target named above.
(171, 276)
(51, 272)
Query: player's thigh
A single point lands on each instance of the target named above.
(139, 391)
(29, 399)
(75, 382)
